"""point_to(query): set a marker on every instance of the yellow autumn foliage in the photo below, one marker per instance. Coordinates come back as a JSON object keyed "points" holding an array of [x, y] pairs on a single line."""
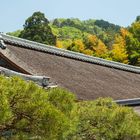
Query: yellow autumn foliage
{"points": [[100, 49], [59, 44], [93, 40], [88, 52], [119, 52]]}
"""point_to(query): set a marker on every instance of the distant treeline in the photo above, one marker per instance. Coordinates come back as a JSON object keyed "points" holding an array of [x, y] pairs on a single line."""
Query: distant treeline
{"points": [[92, 37]]}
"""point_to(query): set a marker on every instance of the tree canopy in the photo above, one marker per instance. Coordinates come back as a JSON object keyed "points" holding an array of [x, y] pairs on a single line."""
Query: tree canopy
{"points": [[36, 28], [29, 112], [92, 37]]}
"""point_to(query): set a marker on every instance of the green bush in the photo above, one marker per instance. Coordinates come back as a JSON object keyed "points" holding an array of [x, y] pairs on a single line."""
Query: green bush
{"points": [[28, 111], [105, 120]]}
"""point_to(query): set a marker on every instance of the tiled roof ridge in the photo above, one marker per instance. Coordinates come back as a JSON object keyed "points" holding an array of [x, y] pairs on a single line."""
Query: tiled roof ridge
{"points": [[66, 53]]}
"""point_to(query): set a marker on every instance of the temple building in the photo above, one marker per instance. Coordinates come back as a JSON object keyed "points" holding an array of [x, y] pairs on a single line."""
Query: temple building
{"points": [[87, 77]]}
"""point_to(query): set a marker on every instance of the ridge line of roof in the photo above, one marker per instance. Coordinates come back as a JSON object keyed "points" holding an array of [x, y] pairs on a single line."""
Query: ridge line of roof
{"points": [[66, 53]]}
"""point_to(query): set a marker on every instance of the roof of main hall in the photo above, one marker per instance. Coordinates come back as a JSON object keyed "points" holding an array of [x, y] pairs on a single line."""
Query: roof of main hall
{"points": [[86, 76]]}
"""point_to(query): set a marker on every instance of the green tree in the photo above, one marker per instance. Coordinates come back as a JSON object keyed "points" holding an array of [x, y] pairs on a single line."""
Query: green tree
{"points": [[104, 30], [105, 120], [16, 33], [28, 111], [135, 30], [36, 28], [133, 43], [69, 33], [137, 18], [133, 49]]}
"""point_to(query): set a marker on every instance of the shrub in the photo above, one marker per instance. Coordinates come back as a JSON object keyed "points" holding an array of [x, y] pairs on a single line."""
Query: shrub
{"points": [[28, 111], [104, 120]]}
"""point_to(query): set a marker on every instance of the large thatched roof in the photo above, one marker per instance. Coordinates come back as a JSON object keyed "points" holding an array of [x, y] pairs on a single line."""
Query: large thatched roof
{"points": [[87, 77]]}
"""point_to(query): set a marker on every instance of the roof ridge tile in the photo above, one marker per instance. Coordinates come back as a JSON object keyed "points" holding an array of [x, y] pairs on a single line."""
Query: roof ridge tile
{"points": [[66, 53]]}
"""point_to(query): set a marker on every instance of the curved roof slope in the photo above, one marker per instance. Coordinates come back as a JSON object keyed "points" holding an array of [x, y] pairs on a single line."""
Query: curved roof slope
{"points": [[87, 77]]}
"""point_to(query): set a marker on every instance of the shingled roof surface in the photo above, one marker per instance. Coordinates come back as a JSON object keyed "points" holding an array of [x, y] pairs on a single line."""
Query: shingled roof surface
{"points": [[87, 80]]}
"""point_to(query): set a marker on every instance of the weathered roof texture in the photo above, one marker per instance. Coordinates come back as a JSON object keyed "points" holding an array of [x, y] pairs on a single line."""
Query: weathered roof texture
{"points": [[88, 77]]}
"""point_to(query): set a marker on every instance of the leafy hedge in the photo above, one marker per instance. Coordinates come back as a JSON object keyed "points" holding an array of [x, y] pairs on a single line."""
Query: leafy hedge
{"points": [[30, 112]]}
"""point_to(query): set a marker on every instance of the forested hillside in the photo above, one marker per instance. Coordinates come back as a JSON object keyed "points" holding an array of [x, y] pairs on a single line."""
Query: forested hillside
{"points": [[92, 37]]}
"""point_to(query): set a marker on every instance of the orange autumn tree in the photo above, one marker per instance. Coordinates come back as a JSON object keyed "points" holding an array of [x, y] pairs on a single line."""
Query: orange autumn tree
{"points": [[96, 45]]}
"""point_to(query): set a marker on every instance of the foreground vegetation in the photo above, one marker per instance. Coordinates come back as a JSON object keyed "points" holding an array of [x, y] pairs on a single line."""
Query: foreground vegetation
{"points": [[30, 112], [92, 37]]}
